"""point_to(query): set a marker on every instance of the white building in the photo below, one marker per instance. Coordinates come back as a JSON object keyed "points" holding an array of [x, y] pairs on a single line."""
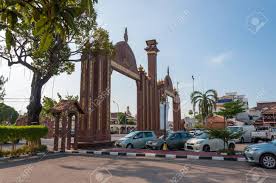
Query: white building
{"points": [[230, 97]]}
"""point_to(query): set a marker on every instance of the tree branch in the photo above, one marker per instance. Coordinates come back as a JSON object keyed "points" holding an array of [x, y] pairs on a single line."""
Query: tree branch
{"points": [[74, 60]]}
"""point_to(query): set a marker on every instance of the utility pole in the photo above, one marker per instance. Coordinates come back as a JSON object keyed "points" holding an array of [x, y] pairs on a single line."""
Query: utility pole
{"points": [[126, 122], [117, 112], [165, 117], [193, 82]]}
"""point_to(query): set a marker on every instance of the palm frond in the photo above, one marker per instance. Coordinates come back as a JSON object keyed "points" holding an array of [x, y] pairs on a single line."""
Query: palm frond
{"points": [[196, 93]]}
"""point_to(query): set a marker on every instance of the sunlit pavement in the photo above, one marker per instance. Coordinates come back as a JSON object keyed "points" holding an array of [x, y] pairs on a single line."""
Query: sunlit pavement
{"points": [[87, 169]]}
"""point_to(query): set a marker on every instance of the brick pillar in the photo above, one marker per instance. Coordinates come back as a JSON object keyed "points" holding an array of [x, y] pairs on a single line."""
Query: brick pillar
{"points": [[56, 133], [139, 105], [69, 135], [86, 94], [144, 107], [147, 108], [63, 133], [75, 146], [152, 51], [176, 113]]}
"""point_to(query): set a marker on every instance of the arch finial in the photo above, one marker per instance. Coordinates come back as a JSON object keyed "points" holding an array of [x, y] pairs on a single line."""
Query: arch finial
{"points": [[168, 70], [126, 35]]}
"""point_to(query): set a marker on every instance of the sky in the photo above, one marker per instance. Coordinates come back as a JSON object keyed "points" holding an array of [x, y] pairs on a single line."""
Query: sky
{"points": [[227, 46]]}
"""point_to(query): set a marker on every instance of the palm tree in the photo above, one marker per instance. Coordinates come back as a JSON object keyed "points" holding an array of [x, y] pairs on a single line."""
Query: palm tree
{"points": [[206, 102]]}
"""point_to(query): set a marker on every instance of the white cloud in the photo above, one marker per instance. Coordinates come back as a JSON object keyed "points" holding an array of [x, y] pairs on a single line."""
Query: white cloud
{"points": [[221, 58]]}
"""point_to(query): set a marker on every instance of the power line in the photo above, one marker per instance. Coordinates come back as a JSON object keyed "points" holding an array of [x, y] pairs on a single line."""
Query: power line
{"points": [[16, 98]]}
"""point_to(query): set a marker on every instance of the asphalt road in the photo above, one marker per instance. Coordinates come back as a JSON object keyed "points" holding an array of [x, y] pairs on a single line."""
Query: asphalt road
{"points": [[88, 169]]}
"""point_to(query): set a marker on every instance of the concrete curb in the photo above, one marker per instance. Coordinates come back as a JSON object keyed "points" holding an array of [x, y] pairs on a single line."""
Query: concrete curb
{"points": [[167, 156], [130, 154]]}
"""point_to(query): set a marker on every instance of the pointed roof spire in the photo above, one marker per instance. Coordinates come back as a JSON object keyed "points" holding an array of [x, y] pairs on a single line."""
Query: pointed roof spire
{"points": [[126, 35], [168, 70]]}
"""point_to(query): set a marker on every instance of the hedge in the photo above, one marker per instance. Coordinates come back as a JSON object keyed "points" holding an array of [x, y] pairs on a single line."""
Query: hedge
{"points": [[29, 133]]}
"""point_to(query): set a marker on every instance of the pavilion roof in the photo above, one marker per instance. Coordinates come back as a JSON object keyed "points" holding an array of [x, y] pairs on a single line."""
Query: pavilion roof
{"points": [[67, 105]]}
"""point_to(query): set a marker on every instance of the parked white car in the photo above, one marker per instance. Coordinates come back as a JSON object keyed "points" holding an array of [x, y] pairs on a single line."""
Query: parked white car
{"points": [[246, 130], [264, 133], [195, 132], [204, 143]]}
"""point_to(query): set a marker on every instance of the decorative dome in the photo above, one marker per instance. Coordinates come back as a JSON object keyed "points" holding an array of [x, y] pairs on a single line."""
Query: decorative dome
{"points": [[124, 56], [168, 81]]}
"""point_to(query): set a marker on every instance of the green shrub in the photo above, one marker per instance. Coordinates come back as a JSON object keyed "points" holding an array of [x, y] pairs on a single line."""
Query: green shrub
{"points": [[29, 133]]}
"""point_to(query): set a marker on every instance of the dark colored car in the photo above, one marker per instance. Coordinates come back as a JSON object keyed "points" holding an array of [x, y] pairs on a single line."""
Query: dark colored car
{"points": [[175, 140]]}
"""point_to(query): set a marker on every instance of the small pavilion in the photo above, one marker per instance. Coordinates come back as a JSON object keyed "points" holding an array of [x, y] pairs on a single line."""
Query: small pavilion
{"points": [[64, 112]]}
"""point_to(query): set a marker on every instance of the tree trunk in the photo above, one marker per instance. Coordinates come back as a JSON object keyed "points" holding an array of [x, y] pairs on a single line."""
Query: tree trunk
{"points": [[35, 107]]}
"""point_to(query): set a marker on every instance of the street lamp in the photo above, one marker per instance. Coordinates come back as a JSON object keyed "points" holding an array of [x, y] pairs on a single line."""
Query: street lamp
{"points": [[126, 122], [117, 112], [193, 78], [164, 101]]}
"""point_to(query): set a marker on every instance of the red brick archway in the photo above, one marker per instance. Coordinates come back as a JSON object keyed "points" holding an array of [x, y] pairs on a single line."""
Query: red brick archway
{"points": [[95, 91]]}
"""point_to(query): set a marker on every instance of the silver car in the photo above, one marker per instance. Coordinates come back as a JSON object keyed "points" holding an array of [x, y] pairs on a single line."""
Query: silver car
{"points": [[136, 139], [263, 154]]}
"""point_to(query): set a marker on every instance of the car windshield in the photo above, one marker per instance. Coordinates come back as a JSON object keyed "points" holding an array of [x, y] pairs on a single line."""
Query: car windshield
{"points": [[202, 136], [234, 129], [131, 134], [171, 135], [168, 135], [262, 128]]}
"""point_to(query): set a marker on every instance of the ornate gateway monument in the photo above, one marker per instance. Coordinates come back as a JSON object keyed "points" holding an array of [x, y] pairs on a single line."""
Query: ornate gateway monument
{"points": [[95, 91]]}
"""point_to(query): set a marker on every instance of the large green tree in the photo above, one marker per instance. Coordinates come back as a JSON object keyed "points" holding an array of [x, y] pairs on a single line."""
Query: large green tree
{"points": [[47, 37], [7, 114], [231, 109], [205, 101]]}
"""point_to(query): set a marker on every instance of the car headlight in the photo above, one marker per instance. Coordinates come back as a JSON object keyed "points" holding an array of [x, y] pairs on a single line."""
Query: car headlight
{"points": [[255, 149], [154, 143], [121, 142]]}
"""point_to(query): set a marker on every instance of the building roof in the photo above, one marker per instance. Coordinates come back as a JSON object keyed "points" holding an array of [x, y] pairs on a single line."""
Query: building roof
{"points": [[114, 115], [215, 119], [265, 105], [270, 111]]}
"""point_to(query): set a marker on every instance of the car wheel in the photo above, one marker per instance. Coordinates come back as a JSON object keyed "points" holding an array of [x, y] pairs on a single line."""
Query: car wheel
{"points": [[272, 138], [206, 148], [268, 161], [231, 147], [242, 140], [129, 146], [256, 140]]}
